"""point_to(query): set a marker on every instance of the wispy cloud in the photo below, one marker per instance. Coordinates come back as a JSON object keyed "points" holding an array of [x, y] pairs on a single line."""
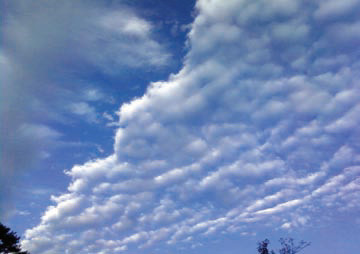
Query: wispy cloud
{"points": [[49, 49]]}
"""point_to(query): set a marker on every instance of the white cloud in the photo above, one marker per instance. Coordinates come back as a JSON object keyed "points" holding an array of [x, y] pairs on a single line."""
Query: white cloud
{"points": [[128, 42], [84, 109], [241, 135], [38, 131], [122, 22], [335, 9], [108, 116], [93, 94]]}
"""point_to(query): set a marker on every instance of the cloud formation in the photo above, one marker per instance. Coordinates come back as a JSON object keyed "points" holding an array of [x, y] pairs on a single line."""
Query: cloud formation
{"points": [[260, 125], [48, 52]]}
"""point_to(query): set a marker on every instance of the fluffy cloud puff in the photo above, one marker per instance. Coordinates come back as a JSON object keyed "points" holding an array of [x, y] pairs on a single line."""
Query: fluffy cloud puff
{"points": [[258, 126]]}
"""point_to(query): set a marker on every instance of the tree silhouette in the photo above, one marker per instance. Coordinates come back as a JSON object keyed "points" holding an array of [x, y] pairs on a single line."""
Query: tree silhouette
{"points": [[287, 246], [263, 247], [9, 241]]}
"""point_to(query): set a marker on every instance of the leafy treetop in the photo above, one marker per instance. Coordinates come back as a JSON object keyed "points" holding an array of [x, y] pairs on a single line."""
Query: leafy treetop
{"points": [[9, 241]]}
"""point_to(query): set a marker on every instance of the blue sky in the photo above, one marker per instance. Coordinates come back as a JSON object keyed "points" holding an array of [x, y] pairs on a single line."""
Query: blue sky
{"points": [[180, 127]]}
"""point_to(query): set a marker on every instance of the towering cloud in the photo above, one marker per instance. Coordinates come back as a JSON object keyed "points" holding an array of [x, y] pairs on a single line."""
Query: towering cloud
{"points": [[259, 125]]}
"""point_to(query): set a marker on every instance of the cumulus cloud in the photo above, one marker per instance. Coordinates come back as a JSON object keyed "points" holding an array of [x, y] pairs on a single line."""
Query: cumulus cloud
{"points": [[49, 51], [255, 127]]}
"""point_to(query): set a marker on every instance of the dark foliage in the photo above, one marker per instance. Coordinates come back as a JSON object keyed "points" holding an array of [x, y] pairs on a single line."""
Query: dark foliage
{"points": [[287, 246], [263, 247], [9, 241]]}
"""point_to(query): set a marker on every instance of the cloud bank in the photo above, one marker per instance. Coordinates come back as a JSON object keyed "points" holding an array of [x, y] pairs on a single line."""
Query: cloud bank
{"points": [[260, 125]]}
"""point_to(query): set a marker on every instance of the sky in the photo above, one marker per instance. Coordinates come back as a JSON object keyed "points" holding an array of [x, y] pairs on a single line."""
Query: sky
{"points": [[164, 127]]}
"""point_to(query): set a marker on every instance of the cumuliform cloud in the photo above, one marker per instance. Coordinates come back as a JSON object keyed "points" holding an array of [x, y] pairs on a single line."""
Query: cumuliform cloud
{"points": [[261, 124]]}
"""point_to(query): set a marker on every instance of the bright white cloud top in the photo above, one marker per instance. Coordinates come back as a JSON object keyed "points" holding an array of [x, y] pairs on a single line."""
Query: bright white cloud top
{"points": [[260, 125]]}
